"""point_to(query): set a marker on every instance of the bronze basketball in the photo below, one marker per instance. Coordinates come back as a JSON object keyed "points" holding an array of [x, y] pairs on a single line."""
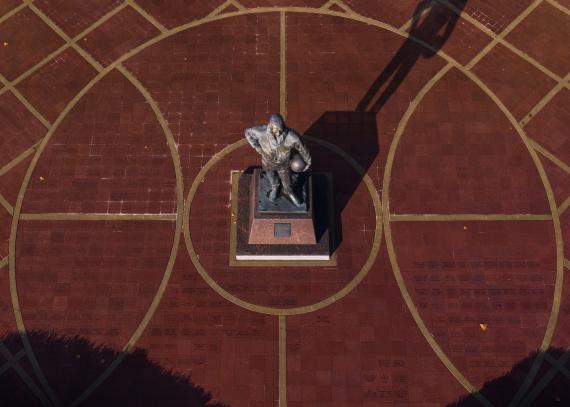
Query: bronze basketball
{"points": [[297, 163]]}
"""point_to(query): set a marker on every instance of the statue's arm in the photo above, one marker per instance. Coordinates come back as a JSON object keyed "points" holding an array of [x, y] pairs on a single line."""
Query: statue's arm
{"points": [[252, 139]]}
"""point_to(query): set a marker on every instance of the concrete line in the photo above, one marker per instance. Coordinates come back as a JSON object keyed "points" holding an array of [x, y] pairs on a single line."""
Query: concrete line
{"points": [[502, 41], [328, 5], [25, 102], [503, 34], [564, 206], [100, 21], [556, 363], [18, 159], [406, 26], [559, 6], [544, 101], [532, 61], [65, 46], [12, 12], [98, 216], [311, 11], [343, 6], [283, 64], [219, 10], [550, 156], [147, 16], [428, 217], [282, 361], [24, 376], [238, 5], [6, 204], [544, 381], [390, 243], [66, 38], [175, 243], [10, 362], [4, 262], [34, 68]]}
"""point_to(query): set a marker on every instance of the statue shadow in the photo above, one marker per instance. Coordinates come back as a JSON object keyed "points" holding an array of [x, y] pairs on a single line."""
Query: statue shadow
{"points": [[71, 364], [549, 388], [356, 132]]}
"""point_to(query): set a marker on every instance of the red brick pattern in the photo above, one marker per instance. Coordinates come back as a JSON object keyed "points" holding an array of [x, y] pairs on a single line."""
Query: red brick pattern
{"points": [[172, 13], [497, 15], [209, 101], [549, 126], [518, 84], [459, 154], [280, 287], [546, 28], [93, 279], [25, 48], [229, 351], [108, 156], [462, 274], [51, 87], [74, 16], [20, 130], [11, 182], [8, 5], [124, 31]]}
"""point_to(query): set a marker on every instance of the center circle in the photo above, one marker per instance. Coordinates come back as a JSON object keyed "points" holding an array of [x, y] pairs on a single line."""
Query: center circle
{"points": [[346, 289]]}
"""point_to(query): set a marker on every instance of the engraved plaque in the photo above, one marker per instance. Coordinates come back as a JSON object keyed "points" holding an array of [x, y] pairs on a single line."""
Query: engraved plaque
{"points": [[282, 230]]}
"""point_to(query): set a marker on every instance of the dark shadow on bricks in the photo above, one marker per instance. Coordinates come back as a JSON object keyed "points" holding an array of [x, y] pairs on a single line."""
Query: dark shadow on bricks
{"points": [[356, 132], [549, 388], [73, 363]]}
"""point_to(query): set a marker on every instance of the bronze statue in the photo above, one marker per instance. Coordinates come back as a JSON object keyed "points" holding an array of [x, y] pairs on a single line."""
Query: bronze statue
{"points": [[276, 143]]}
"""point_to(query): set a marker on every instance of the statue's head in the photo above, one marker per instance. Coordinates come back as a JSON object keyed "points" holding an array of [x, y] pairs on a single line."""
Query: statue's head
{"points": [[277, 126]]}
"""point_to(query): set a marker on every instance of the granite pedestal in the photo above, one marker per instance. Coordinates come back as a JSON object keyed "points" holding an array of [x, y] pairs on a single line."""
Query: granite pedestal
{"points": [[280, 230]]}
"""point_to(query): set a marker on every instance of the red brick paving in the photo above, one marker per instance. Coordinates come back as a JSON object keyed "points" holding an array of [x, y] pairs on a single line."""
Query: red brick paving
{"points": [[281, 287], [364, 350], [461, 274], [108, 156], [11, 182], [459, 154], [544, 30], [548, 126], [209, 101], [558, 178], [518, 84], [496, 15], [118, 35], [51, 87], [227, 350], [20, 129], [8, 5], [74, 16], [172, 13], [25, 48], [93, 279]]}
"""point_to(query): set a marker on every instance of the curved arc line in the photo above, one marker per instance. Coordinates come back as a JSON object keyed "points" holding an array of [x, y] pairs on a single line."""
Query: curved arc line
{"points": [[559, 240], [390, 243], [175, 244], [13, 234], [201, 176], [124, 57]]}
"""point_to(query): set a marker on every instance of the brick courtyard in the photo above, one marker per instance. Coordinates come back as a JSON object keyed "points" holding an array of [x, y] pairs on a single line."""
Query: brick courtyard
{"points": [[443, 124]]}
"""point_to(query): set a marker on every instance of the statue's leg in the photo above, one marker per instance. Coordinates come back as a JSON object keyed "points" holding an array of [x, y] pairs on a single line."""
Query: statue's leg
{"points": [[285, 175], [274, 182]]}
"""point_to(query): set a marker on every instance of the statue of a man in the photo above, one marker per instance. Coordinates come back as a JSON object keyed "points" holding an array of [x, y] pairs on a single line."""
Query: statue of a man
{"points": [[275, 143]]}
